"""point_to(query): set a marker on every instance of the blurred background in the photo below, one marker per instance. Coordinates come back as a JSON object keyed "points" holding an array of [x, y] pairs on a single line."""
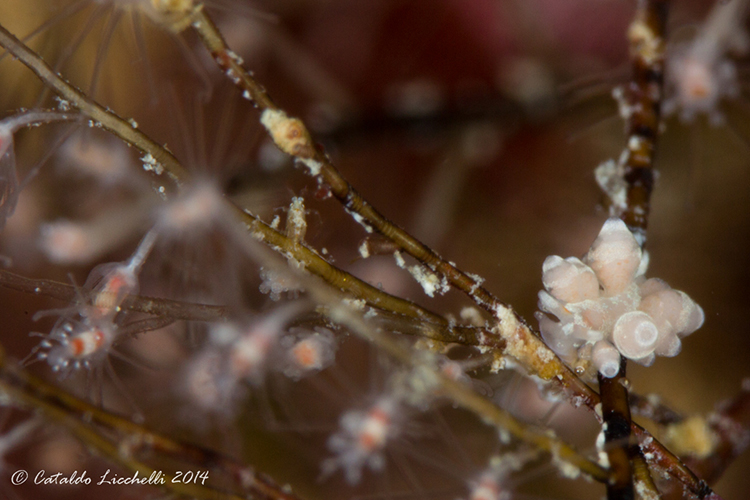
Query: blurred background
{"points": [[476, 125]]}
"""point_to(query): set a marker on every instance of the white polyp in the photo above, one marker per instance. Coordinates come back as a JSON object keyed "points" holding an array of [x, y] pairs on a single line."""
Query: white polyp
{"points": [[66, 242], [77, 344], [647, 360], [223, 334], [569, 280], [635, 317], [695, 321], [615, 256], [490, 487], [691, 317], [665, 308], [643, 266], [58, 357], [668, 345], [700, 73], [375, 428], [361, 439], [110, 283], [614, 307], [204, 382], [104, 159], [698, 90], [275, 283], [550, 304], [249, 354], [307, 352], [653, 285], [606, 358], [700, 79], [197, 207], [554, 336], [593, 316], [635, 335], [550, 263], [584, 334]]}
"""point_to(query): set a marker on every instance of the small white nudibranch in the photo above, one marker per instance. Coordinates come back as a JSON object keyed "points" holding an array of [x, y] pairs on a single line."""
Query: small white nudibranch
{"points": [[602, 307]]}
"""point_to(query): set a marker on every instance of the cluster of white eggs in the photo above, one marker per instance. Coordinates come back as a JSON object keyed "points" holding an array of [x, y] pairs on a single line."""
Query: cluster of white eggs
{"points": [[602, 306]]}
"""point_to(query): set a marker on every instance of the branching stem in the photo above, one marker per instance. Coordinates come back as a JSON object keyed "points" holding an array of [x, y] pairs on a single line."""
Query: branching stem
{"points": [[617, 422], [292, 136], [511, 334], [162, 161], [132, 444]]}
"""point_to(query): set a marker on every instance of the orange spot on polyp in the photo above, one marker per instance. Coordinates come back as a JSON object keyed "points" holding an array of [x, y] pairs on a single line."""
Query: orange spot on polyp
{"points": [[374, 429], [378, 415], [487, 490], [87, 343], [115, 284], [77, 346], [699, 91], [367, 441], [305, 354]]}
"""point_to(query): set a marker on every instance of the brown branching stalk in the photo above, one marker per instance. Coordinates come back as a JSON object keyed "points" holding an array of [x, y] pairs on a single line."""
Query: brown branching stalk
{"points": [[616, 425], [134, 447], [427, 376], [522, 344], [333, 276], [300, 253], [509, 336], [731, 425], [292, 137], [174, 310], [161, 161], [468, 399], [644, 94], [650, 407], [100, 116]]}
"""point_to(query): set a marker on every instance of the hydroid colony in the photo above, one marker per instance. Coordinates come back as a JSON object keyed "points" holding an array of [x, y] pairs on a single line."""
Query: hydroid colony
{"points": [[390, 388]]}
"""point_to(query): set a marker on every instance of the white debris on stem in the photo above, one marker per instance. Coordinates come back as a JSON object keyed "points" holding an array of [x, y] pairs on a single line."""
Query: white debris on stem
{"points": [[430, 281], [364, 250], [150, 164], [609, 176], [275, 283], [296, 223], [313, 166]]}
